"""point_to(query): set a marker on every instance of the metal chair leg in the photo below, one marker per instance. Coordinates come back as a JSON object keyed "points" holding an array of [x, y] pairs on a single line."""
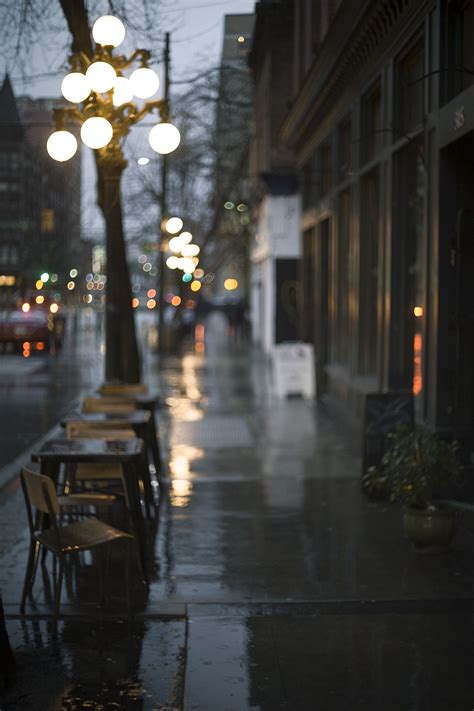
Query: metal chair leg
{"points": [[59, 582], [28, 574]]}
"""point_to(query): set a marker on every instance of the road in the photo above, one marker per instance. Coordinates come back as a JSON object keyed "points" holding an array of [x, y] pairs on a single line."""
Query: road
{"points": [[36, 392]]}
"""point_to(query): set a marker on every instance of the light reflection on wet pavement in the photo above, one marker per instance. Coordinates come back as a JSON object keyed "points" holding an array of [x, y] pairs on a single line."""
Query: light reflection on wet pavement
{"points": [[274, 583]]}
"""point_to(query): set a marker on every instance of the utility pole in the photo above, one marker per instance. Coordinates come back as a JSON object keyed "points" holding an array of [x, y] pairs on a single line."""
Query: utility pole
{"points": [[163, 208]]}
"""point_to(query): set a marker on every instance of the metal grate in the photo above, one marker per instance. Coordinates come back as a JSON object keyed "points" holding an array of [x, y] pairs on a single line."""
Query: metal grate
{"points": [[213, 432]]}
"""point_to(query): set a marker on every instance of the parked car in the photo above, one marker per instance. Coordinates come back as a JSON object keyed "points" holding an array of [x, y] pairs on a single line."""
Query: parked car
{"points": [[35, 327]]}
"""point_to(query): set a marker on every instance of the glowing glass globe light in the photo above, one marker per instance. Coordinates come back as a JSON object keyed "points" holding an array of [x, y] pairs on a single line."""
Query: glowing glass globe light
{"points": [[175, 244], [101, 76], [61, 145], [172, 262], [75, 87], [96, 132], [186, 237], [173, 225], [164, 138], [123, 92], [108, 31], [145, 82], [190, 250], [187, 265]]}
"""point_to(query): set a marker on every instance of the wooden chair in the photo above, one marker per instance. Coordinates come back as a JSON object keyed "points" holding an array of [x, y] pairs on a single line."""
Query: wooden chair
{"points": [[61, 540], [116, 389], [109, 405], [96, 472]]}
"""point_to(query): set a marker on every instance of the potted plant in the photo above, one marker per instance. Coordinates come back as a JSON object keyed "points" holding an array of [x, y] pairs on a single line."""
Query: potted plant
{"points": [[416, 466]]}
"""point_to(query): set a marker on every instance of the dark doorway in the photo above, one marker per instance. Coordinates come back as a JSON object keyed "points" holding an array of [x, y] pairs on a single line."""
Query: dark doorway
{"points": [[322, 334], [455, 376]]}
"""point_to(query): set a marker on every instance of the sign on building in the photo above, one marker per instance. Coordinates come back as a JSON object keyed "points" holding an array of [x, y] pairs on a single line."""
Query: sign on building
{"points": [[293, 369]]}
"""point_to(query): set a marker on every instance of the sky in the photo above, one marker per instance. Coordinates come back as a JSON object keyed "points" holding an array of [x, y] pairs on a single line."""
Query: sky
{"points": [[196, 34]]}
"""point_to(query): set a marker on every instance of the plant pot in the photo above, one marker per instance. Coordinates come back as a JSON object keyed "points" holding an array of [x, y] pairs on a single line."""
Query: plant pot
{"points": [[430, 531]]}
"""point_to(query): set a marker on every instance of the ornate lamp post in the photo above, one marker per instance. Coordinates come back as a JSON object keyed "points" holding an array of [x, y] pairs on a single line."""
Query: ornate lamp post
{"points": [[106, 111]]}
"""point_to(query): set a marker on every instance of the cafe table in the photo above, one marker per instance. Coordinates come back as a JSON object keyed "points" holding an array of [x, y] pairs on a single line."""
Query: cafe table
{"points": [[128, 453], [143, 403], [141, 422]]}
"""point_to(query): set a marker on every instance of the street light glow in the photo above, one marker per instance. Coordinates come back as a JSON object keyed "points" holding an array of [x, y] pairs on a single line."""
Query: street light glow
{"points": [[108, 31], [190, 250], [186, 237], [101, 76], [175, 244], [75, 87], [172, 262], [123, 91], [145, 82], [96, 132], [143, 161], [61, 145], [173, 225], [164, 138]]}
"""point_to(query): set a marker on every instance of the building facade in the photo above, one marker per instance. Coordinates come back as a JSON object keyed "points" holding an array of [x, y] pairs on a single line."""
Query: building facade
{"points": [[40, 218], [276, 204], [381, 129]]}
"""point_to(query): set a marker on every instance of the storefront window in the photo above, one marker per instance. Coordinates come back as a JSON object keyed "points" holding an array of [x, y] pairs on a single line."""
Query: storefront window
{"points": [[369, 256], [410, 90], [343, 265], [372, 134]]}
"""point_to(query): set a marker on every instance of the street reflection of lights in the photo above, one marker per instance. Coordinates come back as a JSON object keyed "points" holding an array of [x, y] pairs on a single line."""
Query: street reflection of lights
{"points": [[147, 267], [135, 302], [39, 299], [175, 301], [72, 274], [199, 347], [39, 284], [195, 285], [151, 293], [143, 161], [199, 273], [71, 285], [25, 308], [142, 258], [150, 304], [54, 308], [180, 493], [229, 205], [179, 466]]}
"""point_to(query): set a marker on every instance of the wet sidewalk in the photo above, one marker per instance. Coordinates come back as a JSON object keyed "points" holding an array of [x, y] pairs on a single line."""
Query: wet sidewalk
{"points": [[274, 583]]}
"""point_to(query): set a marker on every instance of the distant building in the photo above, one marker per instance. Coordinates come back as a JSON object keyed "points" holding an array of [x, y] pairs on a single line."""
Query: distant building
{"points": [[40, 219], [275, 248], [232, 127]]}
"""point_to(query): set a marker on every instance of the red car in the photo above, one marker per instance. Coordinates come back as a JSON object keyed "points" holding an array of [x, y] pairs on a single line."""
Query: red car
{"points": [[33, 327]]}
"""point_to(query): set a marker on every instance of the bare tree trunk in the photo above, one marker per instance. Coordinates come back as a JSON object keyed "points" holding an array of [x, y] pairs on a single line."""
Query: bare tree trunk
{"points": [[121, 350], [121, 353]]}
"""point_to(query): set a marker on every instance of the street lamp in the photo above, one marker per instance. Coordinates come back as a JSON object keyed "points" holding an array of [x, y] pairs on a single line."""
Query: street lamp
{"points": [[105, 109]]}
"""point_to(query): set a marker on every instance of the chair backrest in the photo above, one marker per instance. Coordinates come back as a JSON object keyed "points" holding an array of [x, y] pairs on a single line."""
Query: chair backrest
{"points": [[86, 430], [108, 405], [37, 489], [123, 389]]}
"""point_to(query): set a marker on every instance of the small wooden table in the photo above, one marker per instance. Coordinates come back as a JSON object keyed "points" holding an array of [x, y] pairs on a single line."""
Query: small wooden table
{"points": [[147, 403], [128, 453], [140, 421]]}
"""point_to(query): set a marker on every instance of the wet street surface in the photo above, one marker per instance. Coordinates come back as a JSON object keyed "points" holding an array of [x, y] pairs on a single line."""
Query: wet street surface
{"points": [[274, 583]]}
